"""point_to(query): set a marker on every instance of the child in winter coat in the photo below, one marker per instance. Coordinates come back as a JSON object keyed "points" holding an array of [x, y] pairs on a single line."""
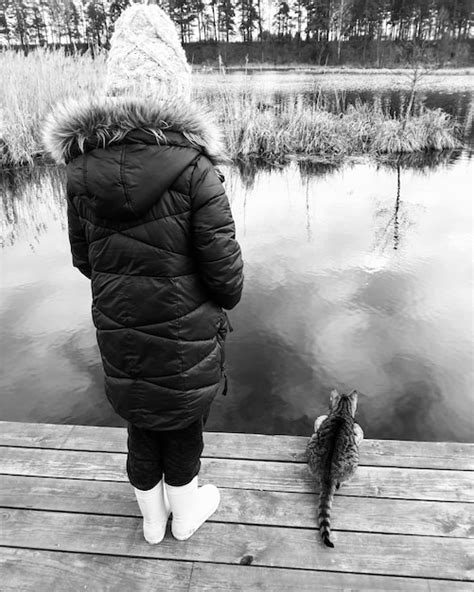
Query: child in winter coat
{"points": [[151, 226]]}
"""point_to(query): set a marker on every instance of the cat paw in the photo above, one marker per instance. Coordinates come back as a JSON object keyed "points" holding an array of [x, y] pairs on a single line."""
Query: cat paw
{"points": [[319, 420], [358, 434]]}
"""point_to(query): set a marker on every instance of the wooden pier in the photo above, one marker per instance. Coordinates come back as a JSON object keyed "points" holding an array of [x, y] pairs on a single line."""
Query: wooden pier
{"points": [[69, 520]]}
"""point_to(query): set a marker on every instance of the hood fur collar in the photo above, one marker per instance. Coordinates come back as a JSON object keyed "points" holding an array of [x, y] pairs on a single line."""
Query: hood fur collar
{"points": [[107, 120]]}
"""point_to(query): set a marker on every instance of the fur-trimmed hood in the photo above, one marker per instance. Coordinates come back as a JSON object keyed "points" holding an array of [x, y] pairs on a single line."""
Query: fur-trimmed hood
{"points": [[102, 121]]}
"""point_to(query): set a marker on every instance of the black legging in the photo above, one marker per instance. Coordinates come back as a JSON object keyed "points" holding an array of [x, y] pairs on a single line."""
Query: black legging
{"points": [[174, 454]]}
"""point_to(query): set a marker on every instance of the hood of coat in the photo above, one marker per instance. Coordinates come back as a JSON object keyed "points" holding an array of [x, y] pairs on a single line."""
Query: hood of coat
{"points": [[81, 124], [123, 185]]}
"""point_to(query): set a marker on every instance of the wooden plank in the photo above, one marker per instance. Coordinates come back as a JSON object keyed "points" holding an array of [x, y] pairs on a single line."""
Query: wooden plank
{"points": [[422, 484], [297, 548], [35, 435], [395, 453], [28, 570], [451, 519], [62, 463], [426, 455], [389, 453], [208, 577]]}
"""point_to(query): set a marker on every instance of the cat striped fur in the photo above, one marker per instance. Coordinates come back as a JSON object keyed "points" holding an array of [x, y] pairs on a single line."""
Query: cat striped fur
{"points": [[333, 453]]}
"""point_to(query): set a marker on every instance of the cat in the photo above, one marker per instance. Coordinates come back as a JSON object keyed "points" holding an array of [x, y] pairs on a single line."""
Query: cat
{"points": [[333, 453]]}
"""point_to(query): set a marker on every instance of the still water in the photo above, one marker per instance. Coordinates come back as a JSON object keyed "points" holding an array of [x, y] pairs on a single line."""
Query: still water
{"points": [[356, 277]]}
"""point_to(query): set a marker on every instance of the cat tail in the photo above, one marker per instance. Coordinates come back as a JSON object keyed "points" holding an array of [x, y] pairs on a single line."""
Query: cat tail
{"points": [[324, 511]]}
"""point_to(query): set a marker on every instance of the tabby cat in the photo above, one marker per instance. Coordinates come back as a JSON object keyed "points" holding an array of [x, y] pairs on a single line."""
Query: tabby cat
{"points": [[333, 453]]}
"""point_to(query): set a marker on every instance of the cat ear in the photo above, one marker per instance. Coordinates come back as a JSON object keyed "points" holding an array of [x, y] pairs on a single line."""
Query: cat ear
{"points": [[353, 396], [334, 396]]}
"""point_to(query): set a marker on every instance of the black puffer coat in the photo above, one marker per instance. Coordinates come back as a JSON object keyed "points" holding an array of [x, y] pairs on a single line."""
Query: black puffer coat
{"points": [[150, 224]]}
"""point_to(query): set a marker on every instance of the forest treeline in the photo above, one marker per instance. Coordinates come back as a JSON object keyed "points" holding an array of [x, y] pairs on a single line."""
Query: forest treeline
{"points": [[325, 32]]}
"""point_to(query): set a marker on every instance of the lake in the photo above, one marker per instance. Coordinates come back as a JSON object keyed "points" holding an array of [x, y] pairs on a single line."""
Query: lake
{"points": [[357, 276]]}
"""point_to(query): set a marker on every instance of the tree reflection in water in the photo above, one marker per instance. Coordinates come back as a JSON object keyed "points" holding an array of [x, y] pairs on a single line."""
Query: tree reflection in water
{"points": [[424, 163]]}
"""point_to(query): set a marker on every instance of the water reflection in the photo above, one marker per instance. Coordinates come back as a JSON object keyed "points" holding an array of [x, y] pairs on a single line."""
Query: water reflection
{"points": [[389, 231], [423, 161], [357, 275], [395, 219], [316, 168], [32, 201]]}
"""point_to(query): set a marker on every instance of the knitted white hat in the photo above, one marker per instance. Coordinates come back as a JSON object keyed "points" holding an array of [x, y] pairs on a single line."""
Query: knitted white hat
{"points": [[146, 57]]}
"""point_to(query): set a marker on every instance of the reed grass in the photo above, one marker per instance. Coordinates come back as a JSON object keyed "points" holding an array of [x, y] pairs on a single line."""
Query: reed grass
{"points": [[30, 87], [328, 128], [256, 123]]}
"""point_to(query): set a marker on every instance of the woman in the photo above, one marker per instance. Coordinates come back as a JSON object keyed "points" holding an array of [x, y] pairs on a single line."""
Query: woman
{"points": [[151, 226]]}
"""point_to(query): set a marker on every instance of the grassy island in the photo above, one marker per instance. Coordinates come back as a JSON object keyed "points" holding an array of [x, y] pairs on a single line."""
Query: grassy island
{"points": [[308, 128]]}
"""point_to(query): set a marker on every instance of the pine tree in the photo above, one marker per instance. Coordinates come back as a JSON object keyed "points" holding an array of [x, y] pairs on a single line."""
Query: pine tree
{"points": [[38, 25], [23, 13], [6, 26], [226, 18], [248, 19], [183, 14], [57, 21], [116, 8], [282, 19], [72, 21], [298, 9], [97, 30], [214, 18]]}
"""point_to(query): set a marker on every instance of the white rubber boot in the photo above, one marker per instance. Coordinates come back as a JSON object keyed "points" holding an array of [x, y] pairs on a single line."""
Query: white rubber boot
{"points": [[155, 510], [191, 507]]}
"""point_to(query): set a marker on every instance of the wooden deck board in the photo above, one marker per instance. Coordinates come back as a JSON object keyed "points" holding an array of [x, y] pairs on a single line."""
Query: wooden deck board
{"points": [[50, 571], [387, 453], [405, 522], [270, 546], [443, 519], [208, 577], [22, 569], [423, 484]]}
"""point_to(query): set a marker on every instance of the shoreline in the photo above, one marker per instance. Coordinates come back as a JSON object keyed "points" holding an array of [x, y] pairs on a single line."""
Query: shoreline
{"points": [[287, 79], [316, 69], [416, 159]]}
